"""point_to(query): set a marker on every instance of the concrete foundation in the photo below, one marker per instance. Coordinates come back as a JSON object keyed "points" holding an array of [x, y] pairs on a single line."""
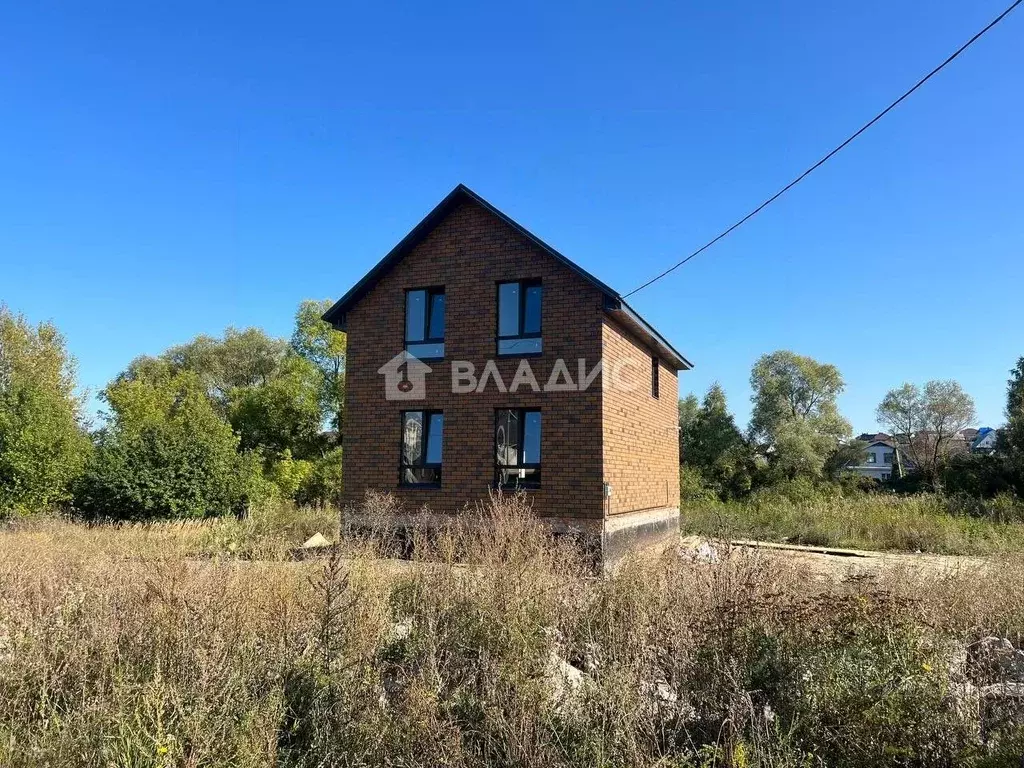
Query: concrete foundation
{"points": [[637, 531], [606, 542]]}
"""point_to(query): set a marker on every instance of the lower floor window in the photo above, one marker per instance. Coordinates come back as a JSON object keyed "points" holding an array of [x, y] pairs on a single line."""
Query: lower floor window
{"points": [[517, 447], [422, 435]]}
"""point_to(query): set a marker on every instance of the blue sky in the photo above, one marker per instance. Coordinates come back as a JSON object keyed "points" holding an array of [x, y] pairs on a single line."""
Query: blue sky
{"points": [[172, 169]]}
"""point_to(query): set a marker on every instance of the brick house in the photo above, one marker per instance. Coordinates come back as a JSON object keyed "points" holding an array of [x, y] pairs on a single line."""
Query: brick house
{"points": [[577, 406]]}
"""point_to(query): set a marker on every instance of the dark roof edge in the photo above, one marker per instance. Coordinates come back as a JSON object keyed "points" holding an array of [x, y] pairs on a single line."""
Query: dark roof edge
{"points": [[617, 307], [614, 303], [460, 193], [335, 315]]}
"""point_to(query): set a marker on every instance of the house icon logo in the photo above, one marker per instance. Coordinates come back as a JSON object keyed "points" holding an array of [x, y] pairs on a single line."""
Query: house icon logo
{"points": [[405, 377]]}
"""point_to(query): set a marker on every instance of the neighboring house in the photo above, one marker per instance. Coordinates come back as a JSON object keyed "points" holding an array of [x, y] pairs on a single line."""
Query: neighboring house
{"points": [[985, 441], [881, 461], [880, 458], [475, 297]]}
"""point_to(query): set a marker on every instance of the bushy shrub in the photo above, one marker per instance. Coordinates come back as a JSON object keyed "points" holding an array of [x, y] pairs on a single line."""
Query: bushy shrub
{"points": [[799, 490], [693, 488], [324, 483], [166, 453], [289, 475], [982, 476]]}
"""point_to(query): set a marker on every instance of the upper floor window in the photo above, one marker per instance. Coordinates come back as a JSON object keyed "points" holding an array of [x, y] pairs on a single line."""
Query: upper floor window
{"points": [[887, 458], [424, 323], [517, 447], [654, 376], [519, 313], [872, 457], [422, 435]]}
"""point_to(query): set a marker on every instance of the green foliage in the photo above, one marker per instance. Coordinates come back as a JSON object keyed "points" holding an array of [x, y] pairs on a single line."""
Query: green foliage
{"points": [[165, 452], [1015, 409], [795, 417], [882, 698], [324, 483], [42, 445], [281, 413], [693, 487], [823, 514], [273, 394], [245, 358], [711, 444], [982, 476], [289, 474], [316, 341]]}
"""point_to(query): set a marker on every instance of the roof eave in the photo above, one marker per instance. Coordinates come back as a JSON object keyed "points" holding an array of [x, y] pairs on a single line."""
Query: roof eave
{"points": [[616, 306]]}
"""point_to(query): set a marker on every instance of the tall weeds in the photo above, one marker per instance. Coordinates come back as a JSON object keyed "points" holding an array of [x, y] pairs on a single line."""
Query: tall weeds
{"points": [[494, 645]]}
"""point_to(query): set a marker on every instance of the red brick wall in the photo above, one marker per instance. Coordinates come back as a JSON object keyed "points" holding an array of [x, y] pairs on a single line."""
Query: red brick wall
{"points": [[640, 443], [468, 253]]}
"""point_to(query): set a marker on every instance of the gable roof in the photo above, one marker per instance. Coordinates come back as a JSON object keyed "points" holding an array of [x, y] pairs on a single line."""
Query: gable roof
{"points": [[614, 303]]}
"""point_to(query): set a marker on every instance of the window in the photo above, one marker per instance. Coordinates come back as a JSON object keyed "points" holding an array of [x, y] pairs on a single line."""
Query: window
{"points": [[872, 457], [422, 435], [885, 475], [887, 458], [517, 448], [654, 376], [424, 323], [519, 312]]}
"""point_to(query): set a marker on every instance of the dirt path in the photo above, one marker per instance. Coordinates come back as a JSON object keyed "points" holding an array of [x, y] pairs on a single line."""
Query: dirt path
{"points": [[838, 563]]}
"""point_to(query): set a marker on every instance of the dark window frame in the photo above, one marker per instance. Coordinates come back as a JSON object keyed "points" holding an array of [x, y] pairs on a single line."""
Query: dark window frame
{"points": [[424, 442], [520, 440], [539, 334], [655, 377], [431, 291]]}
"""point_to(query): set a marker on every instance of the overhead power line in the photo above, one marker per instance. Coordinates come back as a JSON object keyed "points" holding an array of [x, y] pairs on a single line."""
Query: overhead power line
{"points": [[831, 154]]}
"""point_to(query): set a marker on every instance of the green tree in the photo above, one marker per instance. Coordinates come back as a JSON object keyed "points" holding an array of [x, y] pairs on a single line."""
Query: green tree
{"points": [[926, 422], [271, 396], [319, 343], [1014, 435], [712, 444], [689, 407], [43, 447], [796, 420], [246, 358], [165, 452], [281, 414]]}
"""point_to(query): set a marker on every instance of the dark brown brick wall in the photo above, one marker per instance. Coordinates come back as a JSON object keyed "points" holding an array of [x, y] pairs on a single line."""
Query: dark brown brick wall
{"points": [[468, 253]]}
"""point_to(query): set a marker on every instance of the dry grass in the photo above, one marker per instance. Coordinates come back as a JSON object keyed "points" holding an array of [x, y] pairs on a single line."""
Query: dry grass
{"points": [[119, 648]]}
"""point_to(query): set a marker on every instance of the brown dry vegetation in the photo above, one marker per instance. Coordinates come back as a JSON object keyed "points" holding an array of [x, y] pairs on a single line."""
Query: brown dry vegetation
{"points": [[172, 645]]}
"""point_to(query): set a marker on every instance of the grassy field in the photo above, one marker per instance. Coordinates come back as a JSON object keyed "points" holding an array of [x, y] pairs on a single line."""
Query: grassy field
{"points": [[201, 644], [918, 523]]}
